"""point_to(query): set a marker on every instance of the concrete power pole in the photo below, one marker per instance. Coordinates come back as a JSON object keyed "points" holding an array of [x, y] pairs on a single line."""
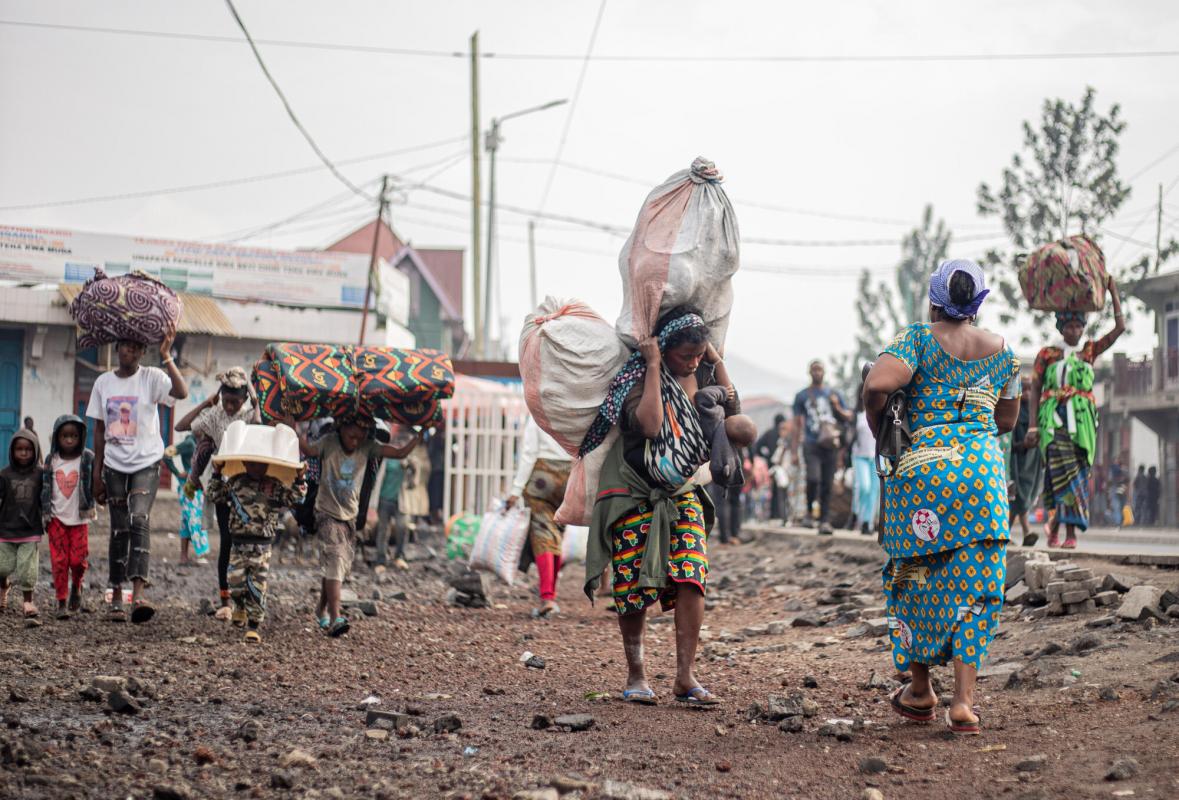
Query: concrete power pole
{"points": [[476, 271]]}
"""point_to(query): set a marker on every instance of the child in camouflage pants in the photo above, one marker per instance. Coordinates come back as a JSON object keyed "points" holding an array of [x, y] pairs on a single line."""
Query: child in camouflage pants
{"points": [[256, 501]]}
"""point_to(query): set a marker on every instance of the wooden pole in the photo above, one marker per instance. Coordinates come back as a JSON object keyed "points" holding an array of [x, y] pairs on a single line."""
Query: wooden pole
{"points": [[372, 260], [476, 272]]}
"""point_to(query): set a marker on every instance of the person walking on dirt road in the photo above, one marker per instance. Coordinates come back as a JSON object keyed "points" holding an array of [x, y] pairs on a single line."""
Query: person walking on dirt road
{"points": [[650, 522], [946, 512]]}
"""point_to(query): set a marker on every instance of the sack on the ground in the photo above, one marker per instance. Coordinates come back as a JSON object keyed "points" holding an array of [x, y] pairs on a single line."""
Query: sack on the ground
{"points": [[134, 306], [574, 544], [500, 540], [684, 249], [1068, 275], [461, 530], [568, 356], [582, 488]]}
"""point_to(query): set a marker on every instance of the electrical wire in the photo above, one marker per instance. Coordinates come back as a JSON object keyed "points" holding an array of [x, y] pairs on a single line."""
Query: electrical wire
{"points": [[649, 184], [291, 112], [200, 187], [1141, 222], [548, 184], [1153, 164], [253, 230], [867, 58]]}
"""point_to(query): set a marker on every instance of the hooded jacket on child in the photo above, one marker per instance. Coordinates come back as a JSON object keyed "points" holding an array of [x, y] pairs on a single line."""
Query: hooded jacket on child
{"points": [[20, 494], [85, 468]]}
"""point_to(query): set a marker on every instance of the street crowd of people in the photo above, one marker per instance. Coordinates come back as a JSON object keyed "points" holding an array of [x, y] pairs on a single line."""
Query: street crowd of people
{"points": [[320, 488], [986, 444]]}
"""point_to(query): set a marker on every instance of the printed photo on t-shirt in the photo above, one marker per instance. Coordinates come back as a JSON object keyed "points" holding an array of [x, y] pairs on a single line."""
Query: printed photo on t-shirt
{"points": [[122, 419]]}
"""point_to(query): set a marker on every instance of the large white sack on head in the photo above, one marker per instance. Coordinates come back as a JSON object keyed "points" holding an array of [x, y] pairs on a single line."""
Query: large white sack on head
{"points": [[684, 249], [568, 356], [582, 488]]}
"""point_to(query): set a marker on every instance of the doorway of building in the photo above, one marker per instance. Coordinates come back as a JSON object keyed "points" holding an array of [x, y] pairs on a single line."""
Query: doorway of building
{"points": [[12, 350]]}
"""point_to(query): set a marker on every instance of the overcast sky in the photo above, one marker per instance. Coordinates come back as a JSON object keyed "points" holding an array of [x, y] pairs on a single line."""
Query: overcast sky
{"points": [[89, 113]]}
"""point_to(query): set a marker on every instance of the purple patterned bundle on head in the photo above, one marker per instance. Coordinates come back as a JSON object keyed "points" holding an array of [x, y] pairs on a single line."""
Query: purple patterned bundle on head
{"points": [[939, 287]]}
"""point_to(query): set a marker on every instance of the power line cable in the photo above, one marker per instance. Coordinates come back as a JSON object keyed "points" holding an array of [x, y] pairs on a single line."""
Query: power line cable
{"points": [[252, 230], [291, 112], [1153, 164], [649, 184], [200, 187], [866, 58], [548, 184]]}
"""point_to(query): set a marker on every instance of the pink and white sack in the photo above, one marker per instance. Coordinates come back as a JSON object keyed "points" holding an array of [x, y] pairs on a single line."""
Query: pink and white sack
{"points": [[568, 356], [684, 249]]}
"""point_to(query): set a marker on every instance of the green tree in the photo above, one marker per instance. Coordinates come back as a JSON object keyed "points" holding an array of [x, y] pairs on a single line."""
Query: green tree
{"points": [[883, 307], [1062, 182]]}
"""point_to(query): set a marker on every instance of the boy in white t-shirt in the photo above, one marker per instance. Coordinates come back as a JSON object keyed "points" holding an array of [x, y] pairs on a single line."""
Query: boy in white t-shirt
{"points": [[67, 506], [128, 447]]}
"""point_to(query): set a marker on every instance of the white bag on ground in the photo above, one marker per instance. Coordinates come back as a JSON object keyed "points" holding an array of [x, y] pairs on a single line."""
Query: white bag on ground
{"points": [[500, 540], [684, 249], [574, 544], [568, 356]]}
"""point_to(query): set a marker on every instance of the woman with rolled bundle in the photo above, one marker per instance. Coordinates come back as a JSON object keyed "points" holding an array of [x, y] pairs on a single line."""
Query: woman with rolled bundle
{"points": [[1065, 415], [650, 520], [945, 525]]}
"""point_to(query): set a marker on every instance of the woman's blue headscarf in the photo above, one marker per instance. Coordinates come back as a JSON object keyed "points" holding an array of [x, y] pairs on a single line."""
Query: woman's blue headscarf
{"points": [[939, 287]]}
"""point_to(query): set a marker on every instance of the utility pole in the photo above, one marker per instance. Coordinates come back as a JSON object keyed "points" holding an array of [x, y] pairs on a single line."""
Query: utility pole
{"points": [[492, 145], [532, 262], [382, 202], [493, 142], [476, 274], [1158, 234]]}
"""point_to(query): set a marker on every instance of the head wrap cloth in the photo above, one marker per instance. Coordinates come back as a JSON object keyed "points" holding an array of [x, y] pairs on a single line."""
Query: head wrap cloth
{"points": [[939, 287], [233, 378], [631, 373], [1065, 317]]}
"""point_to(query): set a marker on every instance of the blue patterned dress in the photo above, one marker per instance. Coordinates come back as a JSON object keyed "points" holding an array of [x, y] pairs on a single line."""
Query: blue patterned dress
{"points": [[945, 507]]}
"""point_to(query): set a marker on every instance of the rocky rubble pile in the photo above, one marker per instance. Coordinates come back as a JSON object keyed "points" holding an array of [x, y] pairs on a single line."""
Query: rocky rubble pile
{"points": [[1055, 588]]}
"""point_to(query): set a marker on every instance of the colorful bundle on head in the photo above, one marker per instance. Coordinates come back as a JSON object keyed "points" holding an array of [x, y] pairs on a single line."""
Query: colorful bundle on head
{"points": [[135, 307], [632, 372]]}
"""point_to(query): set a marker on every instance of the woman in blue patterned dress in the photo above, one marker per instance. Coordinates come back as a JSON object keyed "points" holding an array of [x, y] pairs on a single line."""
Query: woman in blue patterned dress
{"points": [[945, 525]]}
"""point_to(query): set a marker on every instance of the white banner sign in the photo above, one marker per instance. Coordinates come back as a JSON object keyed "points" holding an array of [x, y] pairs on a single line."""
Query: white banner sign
{"points": [[289, 277]]}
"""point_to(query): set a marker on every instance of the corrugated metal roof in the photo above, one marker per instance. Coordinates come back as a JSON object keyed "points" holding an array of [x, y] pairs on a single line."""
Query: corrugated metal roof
{"points": [[199, 314]]}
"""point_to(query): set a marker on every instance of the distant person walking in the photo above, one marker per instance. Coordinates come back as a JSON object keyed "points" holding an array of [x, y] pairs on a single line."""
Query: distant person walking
{"points": [[818, 414], [1153, 487], [1025, 469], [866, 491], [540, 481], [1065, 415], [771, 447], [946, 546], [1139, 495]]}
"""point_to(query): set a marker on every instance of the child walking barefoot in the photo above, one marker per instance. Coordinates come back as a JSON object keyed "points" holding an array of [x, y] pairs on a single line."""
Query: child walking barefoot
{"points": [[67, 505], [20, 519]]}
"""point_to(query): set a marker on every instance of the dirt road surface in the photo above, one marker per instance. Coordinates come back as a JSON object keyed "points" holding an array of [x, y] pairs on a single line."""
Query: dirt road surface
{"points": [[218, 717]]}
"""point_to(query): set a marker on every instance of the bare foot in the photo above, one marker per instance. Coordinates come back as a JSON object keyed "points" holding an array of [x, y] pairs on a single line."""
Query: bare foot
{"points": [[30, 609], [962, 713], [922, 701]]}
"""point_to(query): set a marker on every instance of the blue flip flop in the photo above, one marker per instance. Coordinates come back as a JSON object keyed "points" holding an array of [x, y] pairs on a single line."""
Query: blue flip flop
{"points": [[698, 696], [324, 623], [644, 697]]}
